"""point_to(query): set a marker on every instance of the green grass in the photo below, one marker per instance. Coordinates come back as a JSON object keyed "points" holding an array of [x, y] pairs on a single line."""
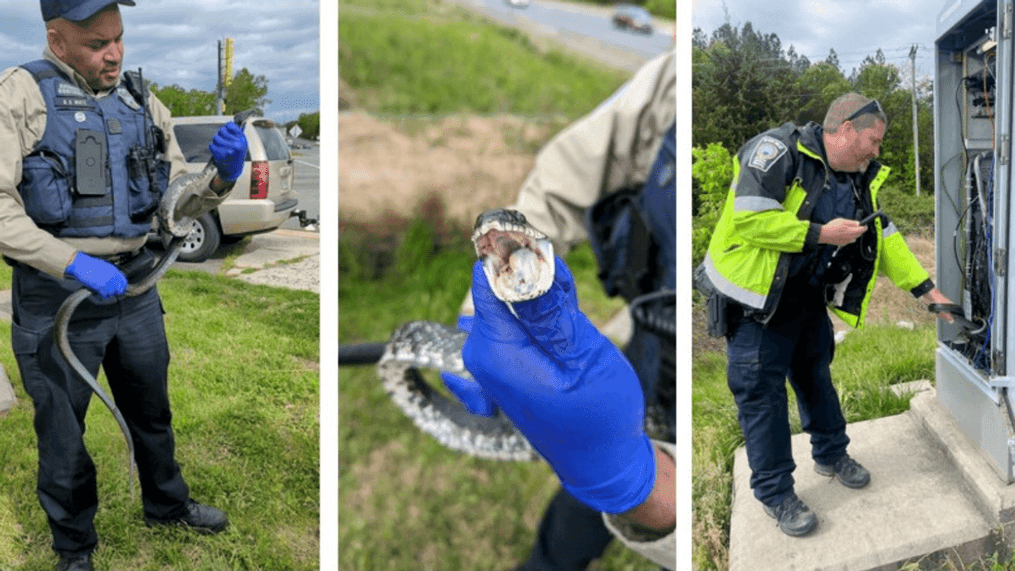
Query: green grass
{"points": [[420, 57], [405, 501], [243, 384], [866, 364]]}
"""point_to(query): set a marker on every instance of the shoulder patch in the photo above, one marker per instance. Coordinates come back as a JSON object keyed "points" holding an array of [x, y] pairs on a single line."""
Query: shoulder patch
{"points": [[766, 152]]}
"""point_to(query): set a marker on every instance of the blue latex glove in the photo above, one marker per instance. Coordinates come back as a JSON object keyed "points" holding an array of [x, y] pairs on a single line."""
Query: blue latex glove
{"points": [[97, 275], [567, 388], [228, 149], [469, 392]]}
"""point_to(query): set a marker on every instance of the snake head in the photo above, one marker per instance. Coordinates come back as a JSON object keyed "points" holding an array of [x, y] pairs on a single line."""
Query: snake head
{"points": [[517, 258]]}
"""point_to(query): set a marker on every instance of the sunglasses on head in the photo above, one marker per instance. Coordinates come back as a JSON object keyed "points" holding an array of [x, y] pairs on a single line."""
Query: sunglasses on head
{"points": [[872, 107]]}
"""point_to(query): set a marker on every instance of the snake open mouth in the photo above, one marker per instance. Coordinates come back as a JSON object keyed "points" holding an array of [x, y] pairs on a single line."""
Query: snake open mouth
{"points": [[517, 258]]}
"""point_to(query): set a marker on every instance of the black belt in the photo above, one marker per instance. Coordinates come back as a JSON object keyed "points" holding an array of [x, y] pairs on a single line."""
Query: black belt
{"points": [[119, 258]]}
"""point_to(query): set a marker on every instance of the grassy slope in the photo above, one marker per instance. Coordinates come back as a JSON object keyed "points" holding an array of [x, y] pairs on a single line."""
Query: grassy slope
{"points": [[421, 57]]}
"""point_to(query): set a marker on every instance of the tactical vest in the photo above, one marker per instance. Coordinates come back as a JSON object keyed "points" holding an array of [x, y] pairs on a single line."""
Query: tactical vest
{"points": [[633, 231], [99, 169]]}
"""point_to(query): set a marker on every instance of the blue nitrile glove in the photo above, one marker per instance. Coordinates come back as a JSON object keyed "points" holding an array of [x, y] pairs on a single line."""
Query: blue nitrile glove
{"points": [[228, 149], [469, 392], [97, 275], [567, 388]]}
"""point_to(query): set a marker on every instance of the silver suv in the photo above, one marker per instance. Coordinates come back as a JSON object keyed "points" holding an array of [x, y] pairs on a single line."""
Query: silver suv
{"points": [[264, 196]]}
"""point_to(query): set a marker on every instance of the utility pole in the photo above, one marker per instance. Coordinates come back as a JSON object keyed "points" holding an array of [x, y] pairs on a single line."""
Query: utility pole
{"points": [[219, 90], [916, 126], [225, 74]]}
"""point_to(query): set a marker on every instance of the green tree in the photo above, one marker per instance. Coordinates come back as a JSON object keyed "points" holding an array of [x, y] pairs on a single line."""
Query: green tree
{"points": [[310, 125], [246, 91], [712, 174], [741, 85], [816, 88], [184, 103]]}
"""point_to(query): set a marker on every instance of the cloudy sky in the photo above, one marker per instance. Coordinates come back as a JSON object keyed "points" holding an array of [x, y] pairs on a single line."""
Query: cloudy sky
{"points": [[854, 28], [176, 42]]}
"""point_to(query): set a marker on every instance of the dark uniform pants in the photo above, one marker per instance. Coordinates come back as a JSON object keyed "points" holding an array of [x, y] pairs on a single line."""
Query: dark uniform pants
{"points": [[127, 337], [798, 343]]}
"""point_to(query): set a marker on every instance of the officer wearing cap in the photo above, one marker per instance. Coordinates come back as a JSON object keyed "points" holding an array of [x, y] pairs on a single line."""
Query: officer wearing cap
{"points": [[85, 155]]}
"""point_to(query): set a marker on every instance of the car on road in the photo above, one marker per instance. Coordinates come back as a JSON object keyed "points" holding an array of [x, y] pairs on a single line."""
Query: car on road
{"points": [[631, 16], [264, 195], [518, 3]]}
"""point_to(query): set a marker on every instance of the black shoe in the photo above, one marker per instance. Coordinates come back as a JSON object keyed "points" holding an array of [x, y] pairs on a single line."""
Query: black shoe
{"points": [[794, 517], [77, 563], [201, 518], [847, 471]]}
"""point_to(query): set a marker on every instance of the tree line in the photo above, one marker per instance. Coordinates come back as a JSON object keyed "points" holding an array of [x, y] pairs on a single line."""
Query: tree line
{"points": [[744, 83], [245, 91]]}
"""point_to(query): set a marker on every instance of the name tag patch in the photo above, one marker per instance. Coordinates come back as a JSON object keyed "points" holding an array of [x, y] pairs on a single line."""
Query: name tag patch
{"points": [[766, 152]]}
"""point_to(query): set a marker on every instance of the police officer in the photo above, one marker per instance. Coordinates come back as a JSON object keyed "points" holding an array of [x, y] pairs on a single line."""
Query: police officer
{"points": [[85, 155], [789, 242], [610, 178]]}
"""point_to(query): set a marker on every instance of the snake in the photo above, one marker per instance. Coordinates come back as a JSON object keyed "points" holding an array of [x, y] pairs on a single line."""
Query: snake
{"points": [[518, 262], [176, 211]]}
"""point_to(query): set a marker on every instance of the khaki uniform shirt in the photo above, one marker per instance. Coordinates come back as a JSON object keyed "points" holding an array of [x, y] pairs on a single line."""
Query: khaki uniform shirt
{"points": [[22, 125], [610, 149]]}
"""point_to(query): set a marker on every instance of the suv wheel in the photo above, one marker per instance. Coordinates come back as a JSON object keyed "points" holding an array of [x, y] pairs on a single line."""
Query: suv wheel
{"points": [[202, 242]]}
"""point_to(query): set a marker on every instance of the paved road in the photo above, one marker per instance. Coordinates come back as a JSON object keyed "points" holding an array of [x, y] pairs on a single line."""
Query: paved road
{"points": [[308, 181], [582, 28]]}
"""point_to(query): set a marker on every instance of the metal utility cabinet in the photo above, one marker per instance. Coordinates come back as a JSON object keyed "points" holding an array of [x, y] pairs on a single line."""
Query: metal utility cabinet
{"points": [[973, 123]]}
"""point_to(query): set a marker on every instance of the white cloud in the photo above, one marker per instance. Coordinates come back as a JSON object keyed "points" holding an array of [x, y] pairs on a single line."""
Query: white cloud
{"points": [[855, 29]]}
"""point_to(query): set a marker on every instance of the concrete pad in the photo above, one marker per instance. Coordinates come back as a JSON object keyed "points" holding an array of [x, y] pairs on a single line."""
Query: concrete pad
{"points": [[918, 502], [272, 247], [262, 260], [620, 327], [7, 397], [6, 309], [993, 496]]}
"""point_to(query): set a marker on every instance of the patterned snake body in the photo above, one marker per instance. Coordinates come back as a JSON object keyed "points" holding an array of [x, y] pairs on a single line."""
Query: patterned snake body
{"points": [[428, 345]]}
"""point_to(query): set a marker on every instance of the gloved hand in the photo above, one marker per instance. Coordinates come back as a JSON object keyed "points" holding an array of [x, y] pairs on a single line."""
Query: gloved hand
{"points": [[469, 392], [228, 149], [567, 388], [97, 275]]}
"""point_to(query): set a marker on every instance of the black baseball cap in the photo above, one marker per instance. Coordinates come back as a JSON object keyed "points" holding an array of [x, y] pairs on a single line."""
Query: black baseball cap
{"points": [[76, 10]]}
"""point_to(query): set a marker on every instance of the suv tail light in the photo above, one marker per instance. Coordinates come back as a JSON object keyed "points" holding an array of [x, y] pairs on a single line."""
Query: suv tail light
{"points": [[259, 179]]}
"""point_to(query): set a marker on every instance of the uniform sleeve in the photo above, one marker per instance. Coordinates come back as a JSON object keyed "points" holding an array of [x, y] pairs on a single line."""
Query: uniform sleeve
{"points": [[764, 176], [900, 264], [22, 124], [661, 551], [610, 149]]}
